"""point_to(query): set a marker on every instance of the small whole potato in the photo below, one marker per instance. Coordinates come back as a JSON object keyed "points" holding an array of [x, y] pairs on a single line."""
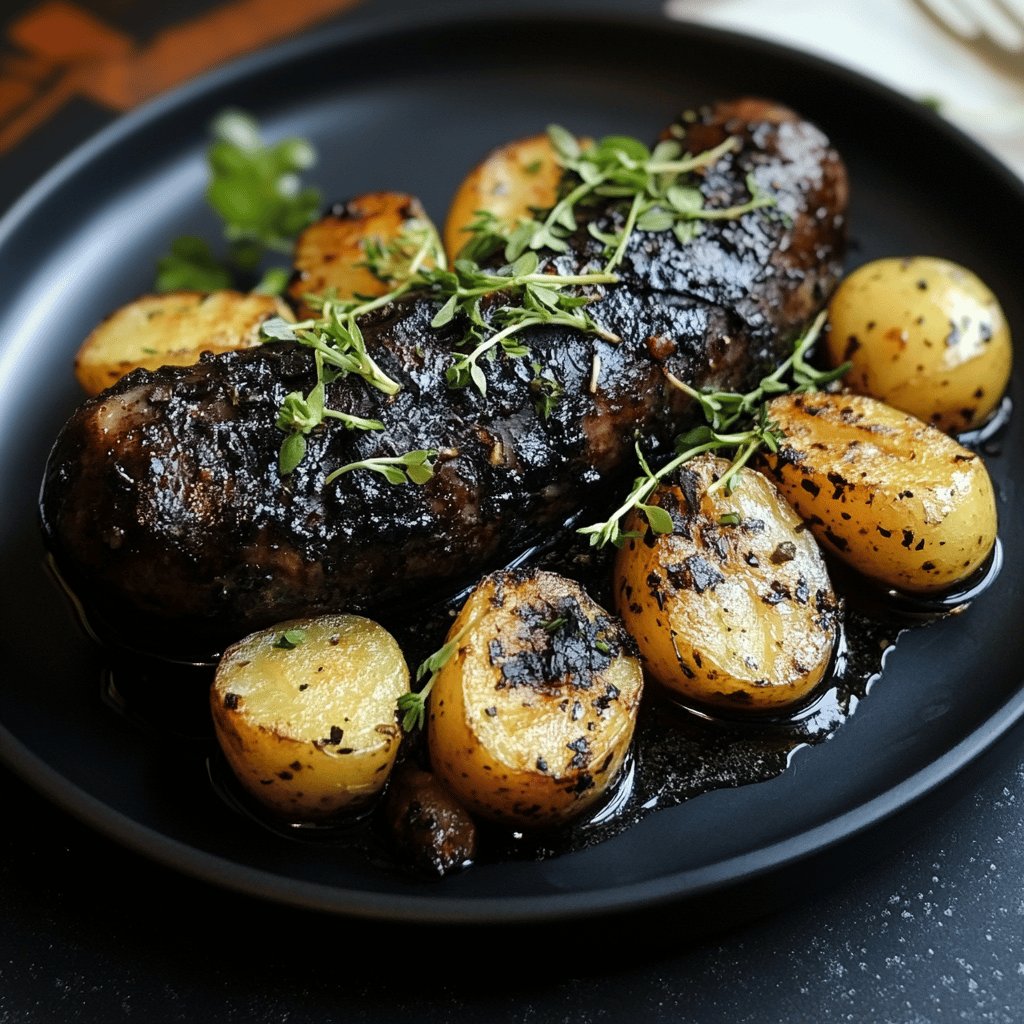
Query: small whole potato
{"points": [[305, 713], [530, 719], [734, 608], [924, 335], [891, 496]]}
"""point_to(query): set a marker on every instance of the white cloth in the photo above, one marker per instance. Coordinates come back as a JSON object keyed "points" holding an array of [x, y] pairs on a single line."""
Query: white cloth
{"points": [[892, 42]]}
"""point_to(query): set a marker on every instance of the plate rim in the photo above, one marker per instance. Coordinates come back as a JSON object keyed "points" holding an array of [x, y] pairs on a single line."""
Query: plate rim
{"points": [[429, 907]]}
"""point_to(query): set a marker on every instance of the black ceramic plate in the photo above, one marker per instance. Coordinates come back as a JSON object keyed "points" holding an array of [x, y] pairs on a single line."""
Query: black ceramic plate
{"points": [[411, 107]]}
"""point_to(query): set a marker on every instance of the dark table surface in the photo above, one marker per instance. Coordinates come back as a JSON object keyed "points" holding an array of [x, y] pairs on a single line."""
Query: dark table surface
{"points": [[929, 930]]}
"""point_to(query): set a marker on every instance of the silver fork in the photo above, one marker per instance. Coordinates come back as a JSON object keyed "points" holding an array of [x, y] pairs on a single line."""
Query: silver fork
{"points": [[988, 45]]}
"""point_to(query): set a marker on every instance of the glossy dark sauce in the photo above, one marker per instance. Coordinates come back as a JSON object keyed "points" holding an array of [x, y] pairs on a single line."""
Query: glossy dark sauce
{"points": [[679, 752]]}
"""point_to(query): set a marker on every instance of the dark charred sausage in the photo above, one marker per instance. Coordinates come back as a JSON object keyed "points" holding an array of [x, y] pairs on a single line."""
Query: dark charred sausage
{"points": [[163, 504]]}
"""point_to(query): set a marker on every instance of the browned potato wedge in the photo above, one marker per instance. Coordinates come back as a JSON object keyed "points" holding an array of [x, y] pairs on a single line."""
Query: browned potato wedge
{"points": [[923, 335], [509, 182], [897, 499], [531, 717], [734, 607], [330, 255], [173, 329], [306, 714]]}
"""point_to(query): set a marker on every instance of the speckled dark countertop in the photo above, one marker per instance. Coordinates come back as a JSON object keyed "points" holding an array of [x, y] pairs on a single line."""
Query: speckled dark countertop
{"points": [[932, 930], [932, 933]]}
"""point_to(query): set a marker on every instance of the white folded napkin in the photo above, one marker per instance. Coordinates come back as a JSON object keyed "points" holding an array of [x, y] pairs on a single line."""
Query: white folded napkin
{"points": [[893, 42]]}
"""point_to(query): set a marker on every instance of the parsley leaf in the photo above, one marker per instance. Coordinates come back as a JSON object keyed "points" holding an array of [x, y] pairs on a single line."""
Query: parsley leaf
{"points": [[255, 189], [190, 267]]}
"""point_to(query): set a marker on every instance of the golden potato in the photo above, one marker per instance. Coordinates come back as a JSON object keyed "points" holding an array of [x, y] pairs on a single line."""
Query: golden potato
{"points": [[306, 714], [330, 255], [509, 183], [734, 607], [530, 718], [895, 498], [925, 336], [172, 329]]}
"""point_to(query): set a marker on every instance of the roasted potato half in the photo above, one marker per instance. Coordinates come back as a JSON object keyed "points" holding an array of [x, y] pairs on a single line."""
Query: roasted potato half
{"points": [[734, 607], [896, 499], [173, 329], [924, 335], [330, 255], [306, 714], [508, 183], [530, 718]]}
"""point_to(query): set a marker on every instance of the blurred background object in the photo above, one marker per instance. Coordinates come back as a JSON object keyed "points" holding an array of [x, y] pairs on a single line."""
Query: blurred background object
{"points": [[901, 45]]}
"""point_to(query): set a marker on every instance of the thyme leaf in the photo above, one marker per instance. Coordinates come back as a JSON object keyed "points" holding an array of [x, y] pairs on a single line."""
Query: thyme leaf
{"points": [[735, 423], [413, 706], [416, 467]]}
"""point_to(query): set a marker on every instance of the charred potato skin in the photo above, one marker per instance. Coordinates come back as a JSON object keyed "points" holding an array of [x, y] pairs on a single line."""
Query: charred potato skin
{"points": [[311, 732], [529, 723], [893, 497], [738, 616], [172, 329], [330, 256], [926, 336]]}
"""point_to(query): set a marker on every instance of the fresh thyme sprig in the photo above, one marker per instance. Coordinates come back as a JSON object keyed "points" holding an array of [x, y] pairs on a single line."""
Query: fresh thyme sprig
{"points": [[652, 185], [299, 415], [610, 531], [724, 411], [413, 706], [339, 344], [543, 300], [399, 261], [416, 467]]}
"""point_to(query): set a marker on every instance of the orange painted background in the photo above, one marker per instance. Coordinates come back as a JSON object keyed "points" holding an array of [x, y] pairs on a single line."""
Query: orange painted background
{"points": [[57, 51]]}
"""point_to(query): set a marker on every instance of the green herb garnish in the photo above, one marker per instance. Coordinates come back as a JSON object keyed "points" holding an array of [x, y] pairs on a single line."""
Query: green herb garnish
{"points": [[535, 298], [653, 186], [255, 189], [413, 706], [290, 639], [415, 467], [492, 307], [725, 411]]}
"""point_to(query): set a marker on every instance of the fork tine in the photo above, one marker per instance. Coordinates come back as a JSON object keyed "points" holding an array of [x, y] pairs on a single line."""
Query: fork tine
{"points": [[993, 20], [942, 23], [1011, 16], [980, 41]]}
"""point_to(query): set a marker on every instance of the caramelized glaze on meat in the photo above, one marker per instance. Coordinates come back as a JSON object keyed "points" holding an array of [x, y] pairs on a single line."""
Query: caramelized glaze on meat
{"points": [[162, 501]]}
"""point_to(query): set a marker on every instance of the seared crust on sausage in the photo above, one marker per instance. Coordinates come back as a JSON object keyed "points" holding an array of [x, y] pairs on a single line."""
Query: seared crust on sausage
{"points": [[162, 500]]}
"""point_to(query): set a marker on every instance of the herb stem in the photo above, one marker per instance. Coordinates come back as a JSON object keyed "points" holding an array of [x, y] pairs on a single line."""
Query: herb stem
{"points": [[725, 480], [627, 231], [692, 163], [498, 283], [610, 531], [379, 465]]}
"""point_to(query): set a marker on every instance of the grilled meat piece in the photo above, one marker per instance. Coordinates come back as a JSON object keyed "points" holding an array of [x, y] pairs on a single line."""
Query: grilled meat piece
{"points": [[162, 501]]}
